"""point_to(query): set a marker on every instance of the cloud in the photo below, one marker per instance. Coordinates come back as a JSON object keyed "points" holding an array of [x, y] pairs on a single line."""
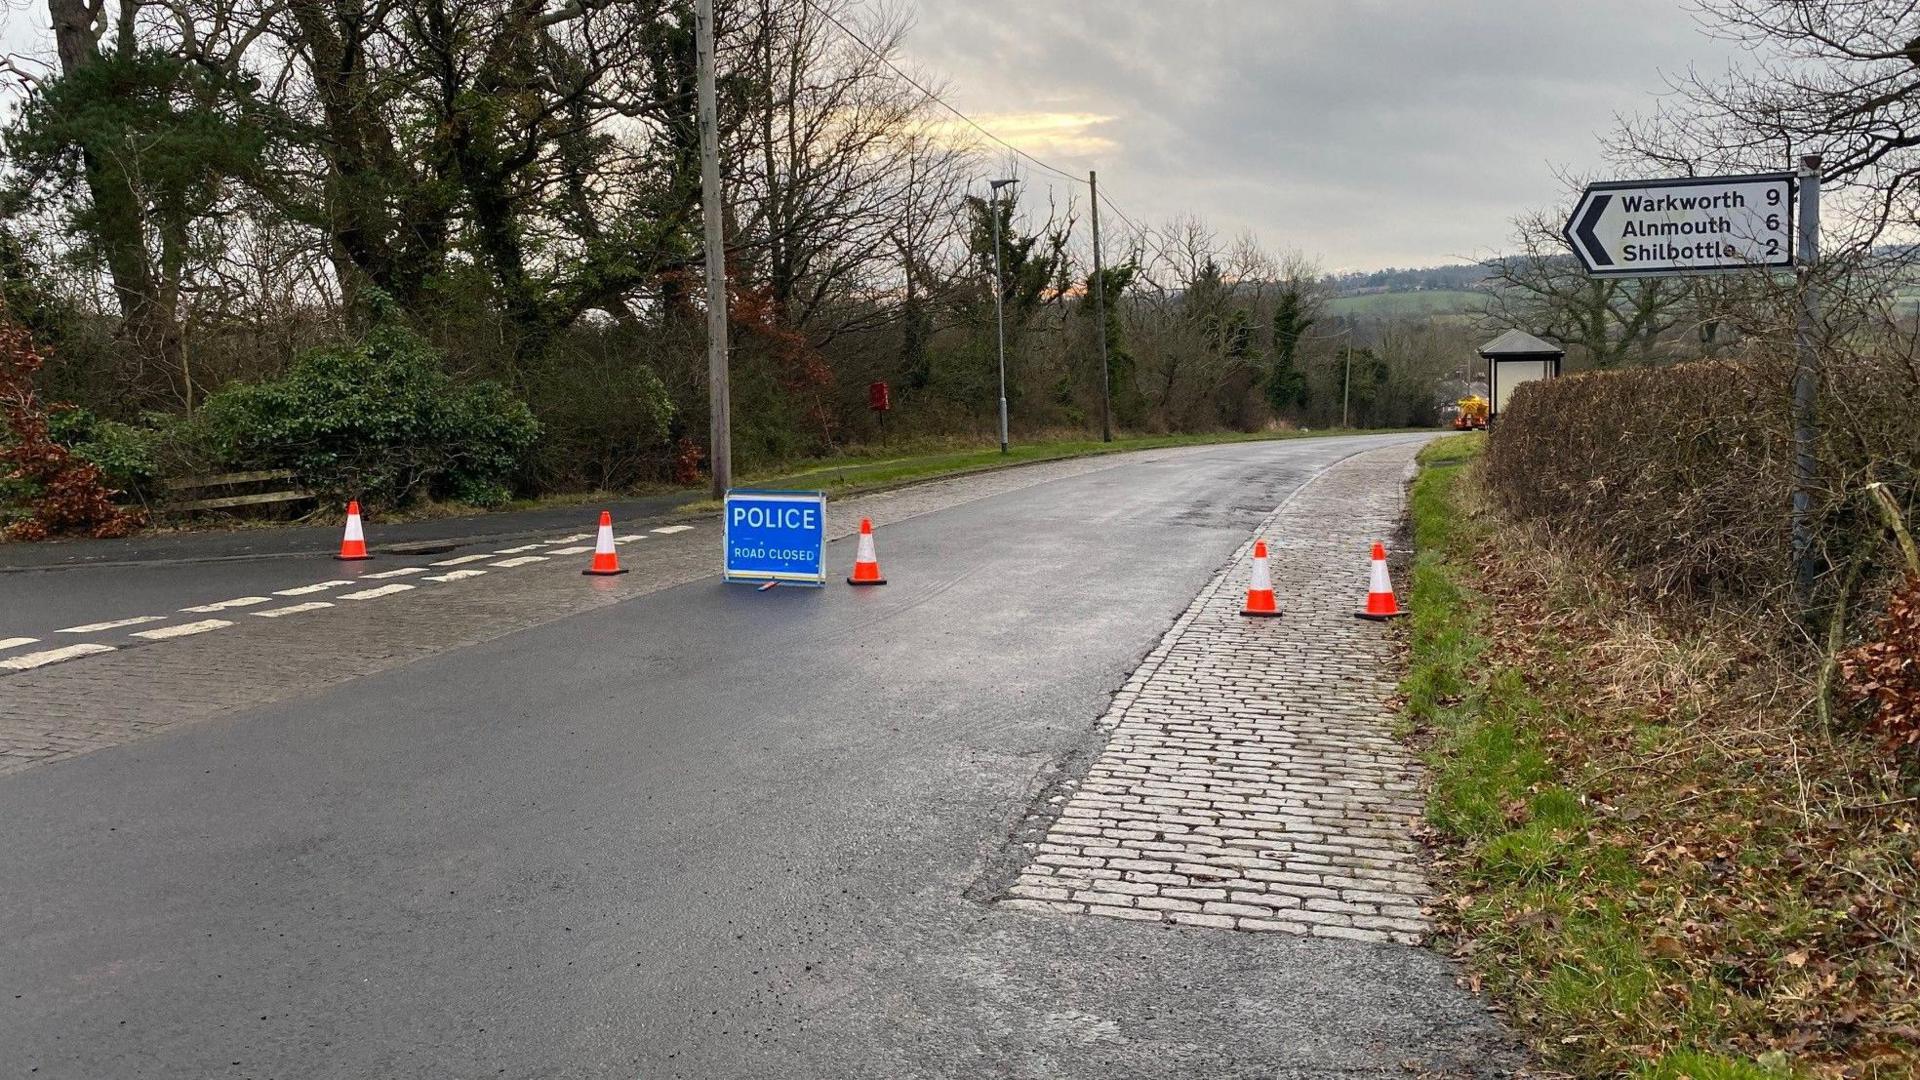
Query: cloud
{"points": [[1046, 135], [1365, 133]]}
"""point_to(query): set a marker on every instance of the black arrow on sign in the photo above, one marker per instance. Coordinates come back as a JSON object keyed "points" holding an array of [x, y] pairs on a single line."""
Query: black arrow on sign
{"points": [[1584, 231]]}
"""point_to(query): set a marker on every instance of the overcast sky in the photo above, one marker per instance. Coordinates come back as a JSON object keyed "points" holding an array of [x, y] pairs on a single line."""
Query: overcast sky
{"points": [[1364, 134]]}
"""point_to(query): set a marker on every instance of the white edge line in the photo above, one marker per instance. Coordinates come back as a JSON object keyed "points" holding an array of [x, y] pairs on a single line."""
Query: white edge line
{"points": [[294, 609], [384, 590], [307, 590], [183, 630], [222, 605], [116, 624], [462, 560], [52, 656]]}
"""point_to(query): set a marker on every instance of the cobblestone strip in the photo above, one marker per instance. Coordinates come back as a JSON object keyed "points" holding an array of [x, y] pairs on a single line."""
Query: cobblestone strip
{"points": [[1250, 781]]}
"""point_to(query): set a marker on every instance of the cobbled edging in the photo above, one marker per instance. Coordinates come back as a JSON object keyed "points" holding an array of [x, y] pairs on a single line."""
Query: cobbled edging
{"points": [[1251, 781]]}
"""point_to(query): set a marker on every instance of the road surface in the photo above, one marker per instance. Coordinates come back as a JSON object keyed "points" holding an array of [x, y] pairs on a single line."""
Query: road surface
{"points": [[696, 831]]}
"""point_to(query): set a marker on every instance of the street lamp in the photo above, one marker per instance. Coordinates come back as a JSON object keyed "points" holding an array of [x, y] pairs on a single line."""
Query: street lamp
{"points": [[999, 312]]}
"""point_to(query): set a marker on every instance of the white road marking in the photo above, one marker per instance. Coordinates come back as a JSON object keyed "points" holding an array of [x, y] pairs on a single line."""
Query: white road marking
{"points": [[574, 539], [369, 594], [308, 590], [517, 550], [183, 630], [16, 642], [402, 572], [51, 656], [521, 561], [462, 559], [116, 624], [244, 601], [669, 530], [456, 575], [293, 609], [630, 536], [571, 550]]}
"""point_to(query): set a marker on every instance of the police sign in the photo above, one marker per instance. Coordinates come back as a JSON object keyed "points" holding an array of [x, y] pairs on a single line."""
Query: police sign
{"points": [[1686, 225], [776, 536]]}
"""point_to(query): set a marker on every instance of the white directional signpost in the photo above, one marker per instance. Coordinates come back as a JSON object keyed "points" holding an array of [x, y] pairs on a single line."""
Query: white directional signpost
{"points": [[1717, 224], [1689, 225]]}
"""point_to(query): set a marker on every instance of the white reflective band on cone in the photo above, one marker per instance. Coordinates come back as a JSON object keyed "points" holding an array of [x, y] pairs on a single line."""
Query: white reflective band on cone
{"points": [[1261, 581]]}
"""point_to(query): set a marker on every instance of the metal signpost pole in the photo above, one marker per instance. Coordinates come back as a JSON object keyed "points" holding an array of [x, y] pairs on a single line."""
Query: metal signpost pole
{"points": [[713, 210], [1806, 379], [1100, 314]]}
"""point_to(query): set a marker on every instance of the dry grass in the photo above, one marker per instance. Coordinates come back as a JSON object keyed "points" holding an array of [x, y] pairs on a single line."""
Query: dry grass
{"points": [[1658, 857]]}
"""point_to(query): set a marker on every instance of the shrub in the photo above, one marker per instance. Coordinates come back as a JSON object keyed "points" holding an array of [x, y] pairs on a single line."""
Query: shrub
{"points": [[379, 421], [45, 489], [127, 456], [1886, 671], [606, 417]]}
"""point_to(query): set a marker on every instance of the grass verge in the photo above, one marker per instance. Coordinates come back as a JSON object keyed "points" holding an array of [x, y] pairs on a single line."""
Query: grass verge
{"points": [[1644, 855]]}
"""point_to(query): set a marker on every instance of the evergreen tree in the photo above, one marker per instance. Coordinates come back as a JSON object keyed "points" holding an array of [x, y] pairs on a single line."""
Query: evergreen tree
{"points": [[1286, 384]]}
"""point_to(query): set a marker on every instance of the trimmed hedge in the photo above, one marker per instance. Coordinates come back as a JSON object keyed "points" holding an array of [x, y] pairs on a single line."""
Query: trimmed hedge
{"points": [[1681, 476]]}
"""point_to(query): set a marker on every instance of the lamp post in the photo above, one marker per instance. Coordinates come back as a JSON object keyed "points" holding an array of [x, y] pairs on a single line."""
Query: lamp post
{"points": [[999, 311]]}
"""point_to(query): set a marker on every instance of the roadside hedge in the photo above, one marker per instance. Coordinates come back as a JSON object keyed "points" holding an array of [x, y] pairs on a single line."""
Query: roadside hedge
{"points": [[379, 421], [1681, 476]]}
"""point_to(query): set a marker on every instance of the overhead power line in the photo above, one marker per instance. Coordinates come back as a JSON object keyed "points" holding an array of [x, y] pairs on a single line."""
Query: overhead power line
{"points": [[1145, 235], [936, 98]]}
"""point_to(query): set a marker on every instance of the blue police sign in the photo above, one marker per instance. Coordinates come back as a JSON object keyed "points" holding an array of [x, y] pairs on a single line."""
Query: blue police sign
{"points": [[778, 536]]}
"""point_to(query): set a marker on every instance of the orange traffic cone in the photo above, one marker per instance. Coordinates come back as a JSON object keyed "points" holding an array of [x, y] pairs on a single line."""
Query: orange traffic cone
{"points": [[866, 565], [606, 562], [1260, 590], [353, 546], [1381, 605]]}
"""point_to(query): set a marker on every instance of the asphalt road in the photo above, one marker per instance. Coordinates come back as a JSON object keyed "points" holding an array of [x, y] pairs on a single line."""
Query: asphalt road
{"points": [[709, 832]]}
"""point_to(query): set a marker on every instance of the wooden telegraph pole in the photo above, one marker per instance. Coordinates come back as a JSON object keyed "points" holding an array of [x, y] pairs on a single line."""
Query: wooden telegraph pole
{"points": [[1100, 314], [713, 211]]}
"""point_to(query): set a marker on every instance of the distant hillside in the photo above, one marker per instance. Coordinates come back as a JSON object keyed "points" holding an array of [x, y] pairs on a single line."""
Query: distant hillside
{"points": [[1422, 302], [1454, 277]]}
